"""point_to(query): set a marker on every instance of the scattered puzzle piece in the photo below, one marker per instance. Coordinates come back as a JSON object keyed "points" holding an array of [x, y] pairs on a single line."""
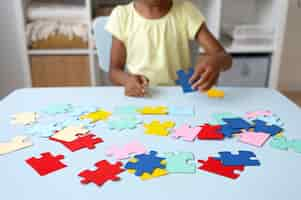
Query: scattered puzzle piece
{"points": [[261, 126], [105, 172], [259, 113], [81, 110], [183, 80], [215, 93], [182, 162], [218, 117], [124, 123], [57, 109], [17, 143], [86, 123], [87, 141], [126, 151], [46, 164], [126, 110], [158, 128], [228, 130], [238, 123], [245, 158], [70, 133], [147, 176], [215, 166], [159, 110], [96, 116], [280, 143], [43, 130], [26, 118], [210, 132], [145, 163], [186, 132], [295, 145], [181, 111], [252, 138], [271, 120]]}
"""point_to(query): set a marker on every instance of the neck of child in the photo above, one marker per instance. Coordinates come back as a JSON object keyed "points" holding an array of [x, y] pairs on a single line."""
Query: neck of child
{"points": [[153, 9]]}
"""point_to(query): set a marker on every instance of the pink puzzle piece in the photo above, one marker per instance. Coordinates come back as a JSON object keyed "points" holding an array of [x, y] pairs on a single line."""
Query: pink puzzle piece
{"points": [[186, 132], [126, 151], [259, 113], [255, 139]]}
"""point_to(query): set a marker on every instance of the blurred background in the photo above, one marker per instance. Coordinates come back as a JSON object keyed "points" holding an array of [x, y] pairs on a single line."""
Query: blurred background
{"points": [[51, 43]]}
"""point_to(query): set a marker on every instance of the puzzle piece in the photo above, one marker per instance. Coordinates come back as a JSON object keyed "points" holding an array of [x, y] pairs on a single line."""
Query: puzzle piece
{"points": [[295, 145], [261, 126], [271, 120], [183, 80], [210, 132], [215, 166], [158, 128], [215, 93], [70, 133], [159, 110], [182, 162], [96, 116], [81, 110], [26, 118], [186, 132], [228, 130], [43, 130], [85, 123], [87, 141], [259, 113], [126, 110], [280, 143], [237, 123], [126, 151], [105, 172], [252, 138], [46, 164], [17, 143], [244, 158], [124, 123], [218, 117], [181, 111], [147, 176], [57, 109], [145, 163]]}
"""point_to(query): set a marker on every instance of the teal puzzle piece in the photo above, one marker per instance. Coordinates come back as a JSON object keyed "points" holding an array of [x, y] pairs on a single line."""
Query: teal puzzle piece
{"points": [[280, 143], [182, 162], [57, 109], [126, 110], [295, 145], [218, 118], [124, 123]]}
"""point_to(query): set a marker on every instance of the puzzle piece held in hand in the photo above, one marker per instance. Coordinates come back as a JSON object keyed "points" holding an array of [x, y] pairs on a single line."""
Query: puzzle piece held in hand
{"points": [[158, 128], [16, 143], [215, 93], [145, 163], [186, 132], [159, 110], [57, 109], [261, 126], [87, 141], [26, 118], [182, 162], [215, 166], [96, 116], [252, 138], [210, 132], [46, 164], [183, 80], [124, 123], [105, 172], [70, 133], [245, 158], [126, 151]]}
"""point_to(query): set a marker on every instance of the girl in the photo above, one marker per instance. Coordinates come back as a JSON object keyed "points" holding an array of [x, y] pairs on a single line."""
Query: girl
{"points": [[151, 38]]}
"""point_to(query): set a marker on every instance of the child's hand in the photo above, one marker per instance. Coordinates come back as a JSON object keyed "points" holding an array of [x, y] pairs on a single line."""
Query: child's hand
{"points": [[136, 86], [206, 73]]}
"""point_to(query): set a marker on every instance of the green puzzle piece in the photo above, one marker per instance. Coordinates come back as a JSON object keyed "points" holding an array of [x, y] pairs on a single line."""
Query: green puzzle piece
{"points": [[280, 143], [124, 123], [182, 162], [218, 118], [126, 110], [295, 145]]}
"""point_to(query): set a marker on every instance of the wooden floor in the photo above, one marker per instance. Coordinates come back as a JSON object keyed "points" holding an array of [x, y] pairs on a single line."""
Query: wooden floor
{"points": [[294, 96]]}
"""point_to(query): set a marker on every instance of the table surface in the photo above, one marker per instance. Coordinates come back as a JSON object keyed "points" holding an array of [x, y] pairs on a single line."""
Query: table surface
{"points": [[277, 178]]}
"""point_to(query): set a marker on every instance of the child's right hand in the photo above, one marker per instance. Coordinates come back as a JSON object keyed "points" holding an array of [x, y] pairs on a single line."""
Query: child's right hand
{"points": [[136, 86]]}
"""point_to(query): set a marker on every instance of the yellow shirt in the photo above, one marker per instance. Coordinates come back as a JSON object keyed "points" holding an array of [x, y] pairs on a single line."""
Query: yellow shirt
{"points": [[156, 48]]}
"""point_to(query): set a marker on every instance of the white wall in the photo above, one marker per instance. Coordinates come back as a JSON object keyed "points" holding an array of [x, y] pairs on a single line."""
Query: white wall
{"points": [[290, 72], [11, 69]]}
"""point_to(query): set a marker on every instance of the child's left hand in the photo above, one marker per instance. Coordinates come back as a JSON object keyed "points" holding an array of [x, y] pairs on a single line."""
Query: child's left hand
{"points": [[206, 73]]}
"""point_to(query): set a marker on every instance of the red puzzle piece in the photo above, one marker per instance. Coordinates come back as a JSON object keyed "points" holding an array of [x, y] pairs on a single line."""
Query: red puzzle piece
{"points": [[46, 164], [215, 166], [105, 172], [210, 132], [87, 141]]}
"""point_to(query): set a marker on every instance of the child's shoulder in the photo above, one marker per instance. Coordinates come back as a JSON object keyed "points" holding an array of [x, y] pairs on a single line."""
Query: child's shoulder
{"points": [[123, 10]]}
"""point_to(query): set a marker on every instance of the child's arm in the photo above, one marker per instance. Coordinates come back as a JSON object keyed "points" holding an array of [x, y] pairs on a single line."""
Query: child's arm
{"points": [[135, 85], [214, 61]]}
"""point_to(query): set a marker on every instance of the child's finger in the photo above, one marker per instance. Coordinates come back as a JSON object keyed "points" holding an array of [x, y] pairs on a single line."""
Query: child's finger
{"points": [[209, 84], [202, 80], [196, 75]]}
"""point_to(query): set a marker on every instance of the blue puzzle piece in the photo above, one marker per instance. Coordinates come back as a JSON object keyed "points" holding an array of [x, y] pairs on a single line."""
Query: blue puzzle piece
{"points": [[228, 130], [261, 126], [244, 158], [181, 111], [183, 80], [81, 110], [75, 122], [57, 109], [238, 123], [146, 163]]}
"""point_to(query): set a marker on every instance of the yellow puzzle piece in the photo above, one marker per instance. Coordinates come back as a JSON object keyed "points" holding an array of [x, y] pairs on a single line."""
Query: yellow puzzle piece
{"points": [[159, 110], [25, 118], [158, 128], [96, 116], [215, 93]]}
